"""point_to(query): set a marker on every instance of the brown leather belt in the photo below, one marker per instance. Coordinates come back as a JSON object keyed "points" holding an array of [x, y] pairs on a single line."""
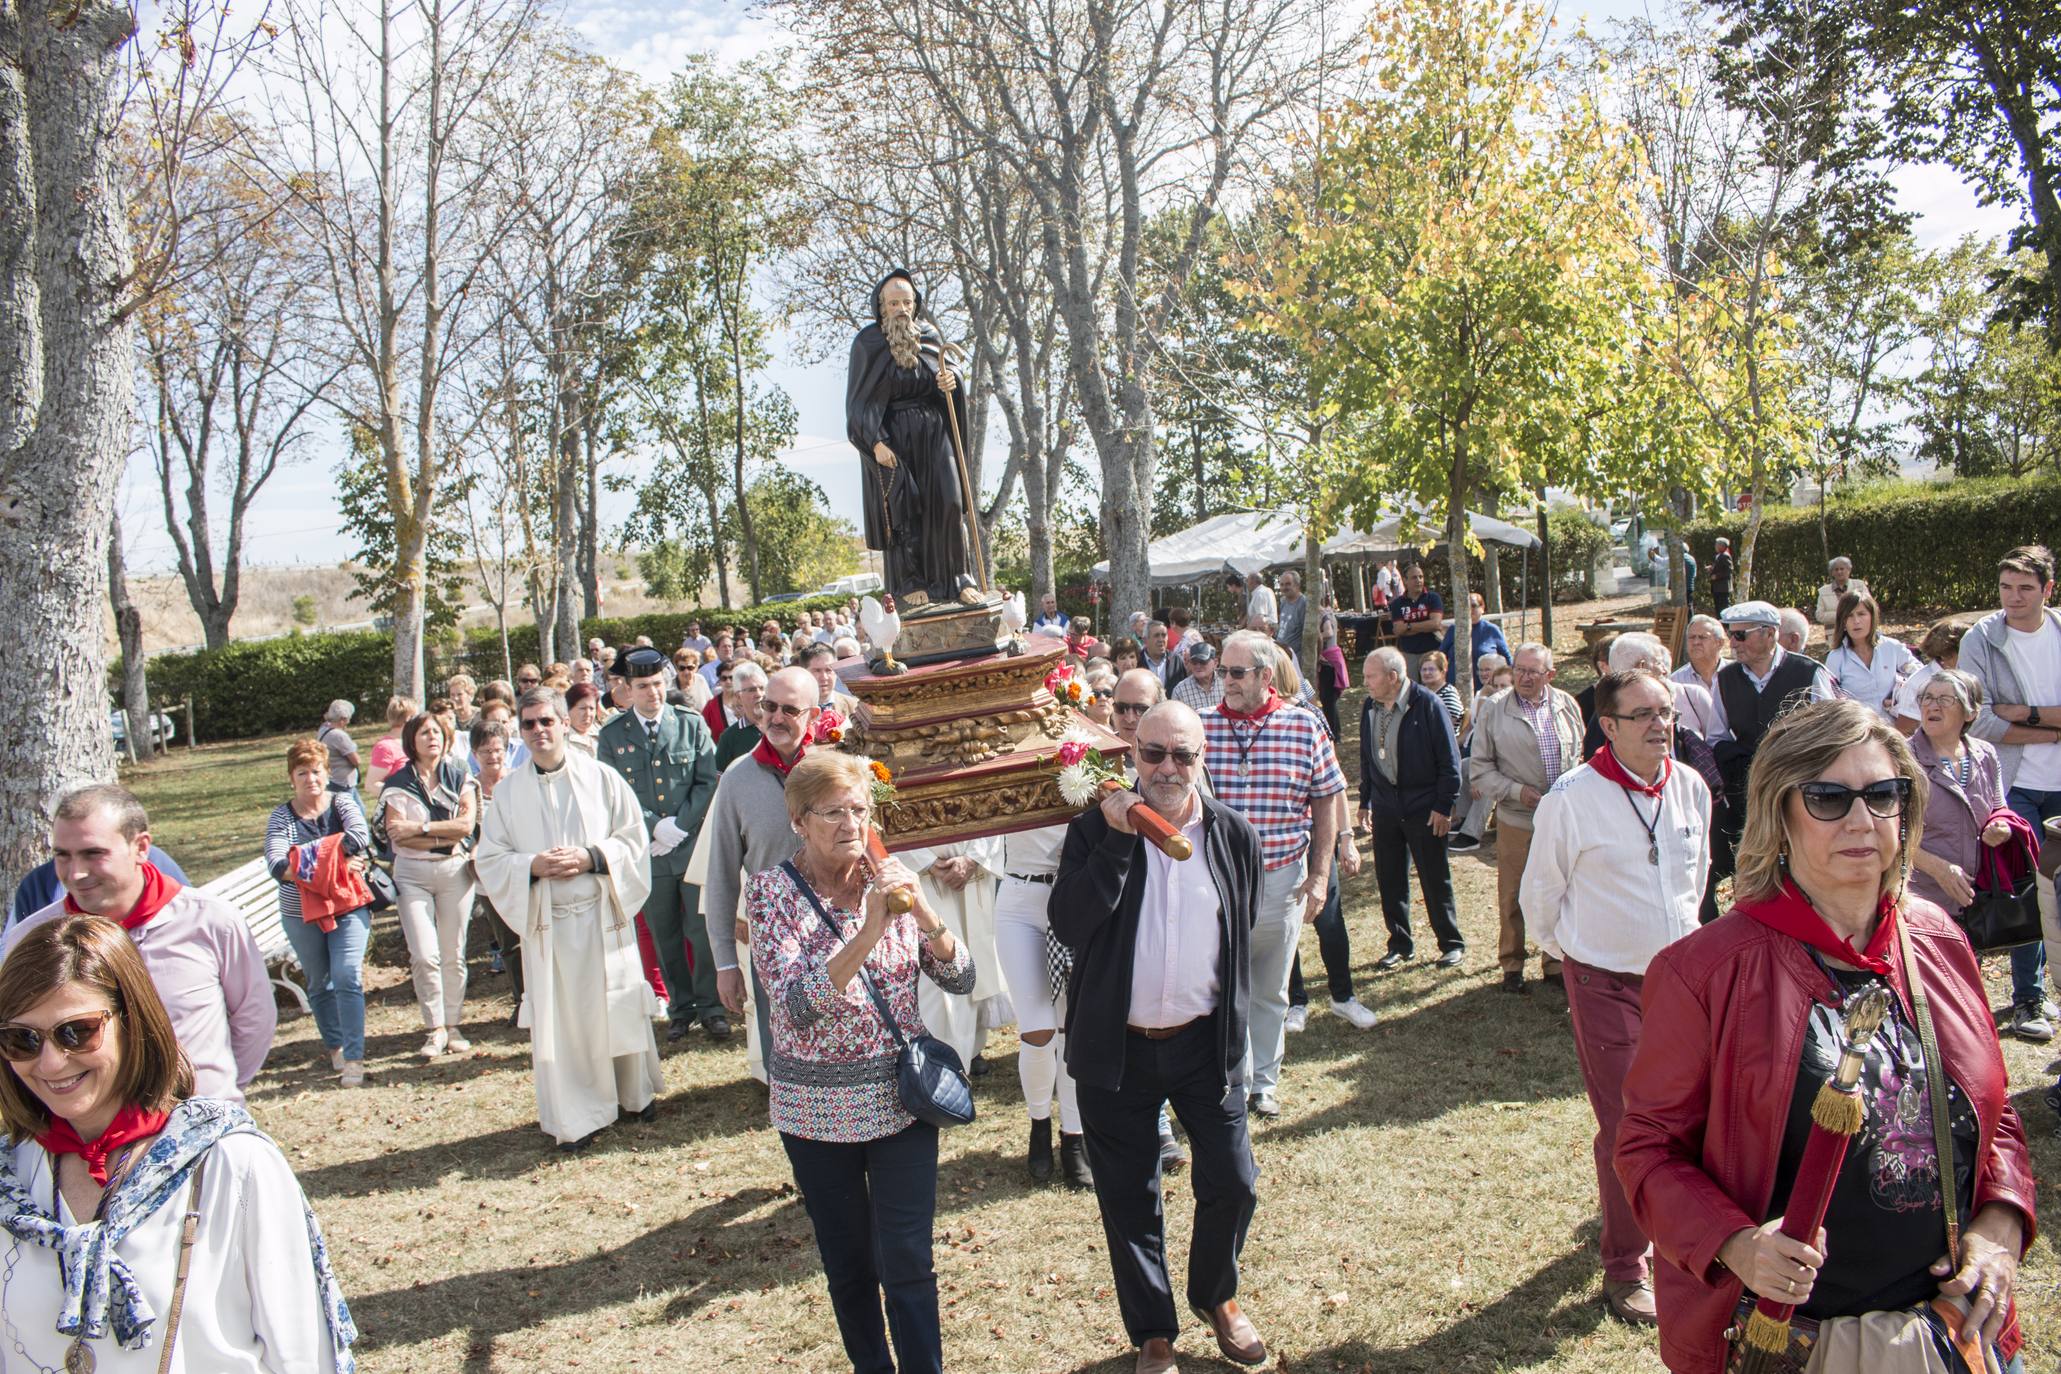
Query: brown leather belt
{"points": [[1162, 1032]]}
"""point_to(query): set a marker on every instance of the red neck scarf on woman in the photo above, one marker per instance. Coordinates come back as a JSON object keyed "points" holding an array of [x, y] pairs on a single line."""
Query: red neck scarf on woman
{"points": [[765, 753], [130, 1124], [1790, 912], [157, 891], [1604, 761], [1272, 704]]}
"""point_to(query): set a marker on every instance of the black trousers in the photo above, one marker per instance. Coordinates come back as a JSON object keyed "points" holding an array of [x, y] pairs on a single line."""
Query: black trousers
{"points": [[1336, 947], [872, 1204], [672, 913], [1122, 1134], [1400, 841]]}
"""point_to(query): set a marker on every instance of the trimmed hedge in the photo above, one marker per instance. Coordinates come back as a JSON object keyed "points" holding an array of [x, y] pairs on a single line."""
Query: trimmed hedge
{"points": [[1922, 547], [259, 687]]}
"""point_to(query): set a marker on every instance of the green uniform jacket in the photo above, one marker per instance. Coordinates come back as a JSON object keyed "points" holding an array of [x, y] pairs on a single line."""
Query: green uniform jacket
{"points": [[673, 775]]}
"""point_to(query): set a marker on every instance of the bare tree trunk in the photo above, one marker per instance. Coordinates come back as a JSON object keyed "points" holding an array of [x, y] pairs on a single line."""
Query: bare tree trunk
{"points": [[1456, 555], [566, 529], [66, 384], [129, 630], [590, 518], [1491, 563]]}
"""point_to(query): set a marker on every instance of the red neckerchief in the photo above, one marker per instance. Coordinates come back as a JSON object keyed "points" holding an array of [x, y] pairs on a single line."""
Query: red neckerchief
{"points": [[765, 753], [1790, 912], [158, 890], [130, 1124], [1272, 704], [1604, 761]]}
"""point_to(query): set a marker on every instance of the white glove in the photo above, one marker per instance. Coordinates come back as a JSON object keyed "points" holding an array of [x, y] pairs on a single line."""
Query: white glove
{"points": [[666, 836]]}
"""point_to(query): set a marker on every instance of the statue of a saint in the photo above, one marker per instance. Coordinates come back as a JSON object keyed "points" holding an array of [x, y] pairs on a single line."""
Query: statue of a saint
{"points": [[896, 416]]}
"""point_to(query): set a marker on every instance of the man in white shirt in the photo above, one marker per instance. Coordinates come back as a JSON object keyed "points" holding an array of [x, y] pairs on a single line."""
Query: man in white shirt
{"points": [[2015, 653], [1260, 605], [1704, 647], [1051, 620], [1620, 849]]}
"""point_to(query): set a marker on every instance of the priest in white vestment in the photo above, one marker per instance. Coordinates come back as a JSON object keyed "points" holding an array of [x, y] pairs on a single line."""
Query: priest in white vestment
{"points": [[563, 850], [959, 881]]}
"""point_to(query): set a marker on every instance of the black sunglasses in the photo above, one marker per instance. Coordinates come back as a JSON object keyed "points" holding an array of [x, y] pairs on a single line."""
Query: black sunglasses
{"points": [[1152, 755], [1235, 674], [1132, 708], [80, 1035], [781, 708], [1829, 801], [1741, 636]]}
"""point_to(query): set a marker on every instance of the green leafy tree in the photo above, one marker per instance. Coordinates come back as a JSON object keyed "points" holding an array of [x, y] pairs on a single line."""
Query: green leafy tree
{"points": [[803, 544], [367, 514], [1988, 402], [1461, 286]]}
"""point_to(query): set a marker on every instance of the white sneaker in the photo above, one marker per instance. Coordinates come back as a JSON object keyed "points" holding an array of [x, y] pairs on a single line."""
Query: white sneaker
{"points": [[1296, 1019], [1351, 1009], [2028, 1023], [353, 1073], [457, 1043], [336, 1059], [435, 1043]]}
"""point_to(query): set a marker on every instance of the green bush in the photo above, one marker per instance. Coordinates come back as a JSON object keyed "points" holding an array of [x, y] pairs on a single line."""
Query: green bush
{"points": [[1922, 547], [264, 686]]}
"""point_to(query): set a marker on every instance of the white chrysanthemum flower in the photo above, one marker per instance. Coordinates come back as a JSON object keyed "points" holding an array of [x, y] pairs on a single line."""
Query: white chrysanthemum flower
{"points": [[1078, 786]]}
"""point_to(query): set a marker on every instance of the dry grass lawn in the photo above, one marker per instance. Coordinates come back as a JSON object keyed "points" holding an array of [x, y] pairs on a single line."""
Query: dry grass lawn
{"points": [[1426, 1198]]}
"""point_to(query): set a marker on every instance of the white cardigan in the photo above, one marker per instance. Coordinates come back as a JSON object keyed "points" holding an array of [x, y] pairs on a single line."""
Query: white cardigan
{"points": [[251, 1305]]}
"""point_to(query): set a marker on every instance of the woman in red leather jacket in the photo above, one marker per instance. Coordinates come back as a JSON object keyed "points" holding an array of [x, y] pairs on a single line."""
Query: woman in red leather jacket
{"points": [[1739, 1032]]}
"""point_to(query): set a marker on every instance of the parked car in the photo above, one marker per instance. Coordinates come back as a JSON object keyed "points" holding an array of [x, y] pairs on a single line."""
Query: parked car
{"points": [[786, 596], [160, 728], [858, 584]]}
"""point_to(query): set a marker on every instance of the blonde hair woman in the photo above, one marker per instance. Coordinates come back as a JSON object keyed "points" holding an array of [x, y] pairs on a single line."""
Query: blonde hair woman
{"points": [[1741, 1029]]}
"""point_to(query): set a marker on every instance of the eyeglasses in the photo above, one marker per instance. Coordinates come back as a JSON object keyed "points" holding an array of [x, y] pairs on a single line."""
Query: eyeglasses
{"points": [[1829, 801], [838, 815], [1741, 636], [1132, 708], [1152, 755], [1237, 674], [80, 1035], [538, 722], [1647, 715], [527, 681], [1939, 699], [781, 708]]}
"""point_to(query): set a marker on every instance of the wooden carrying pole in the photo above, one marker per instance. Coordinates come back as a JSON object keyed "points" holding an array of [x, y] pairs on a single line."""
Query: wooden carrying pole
{"points": [[966, 493]]}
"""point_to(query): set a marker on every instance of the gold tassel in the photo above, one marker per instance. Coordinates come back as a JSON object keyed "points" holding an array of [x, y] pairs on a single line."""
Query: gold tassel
{"points": [[1838, 1112], [1765, 1333]]}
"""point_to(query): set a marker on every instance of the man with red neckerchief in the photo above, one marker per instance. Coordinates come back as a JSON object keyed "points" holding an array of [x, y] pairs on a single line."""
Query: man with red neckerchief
{"points": [[1620, 848], [201, 956], [748, 830], [1272, 762]]}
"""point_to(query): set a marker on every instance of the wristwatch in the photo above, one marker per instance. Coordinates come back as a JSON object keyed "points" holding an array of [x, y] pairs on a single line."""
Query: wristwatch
{"points": [[2032, 715]]}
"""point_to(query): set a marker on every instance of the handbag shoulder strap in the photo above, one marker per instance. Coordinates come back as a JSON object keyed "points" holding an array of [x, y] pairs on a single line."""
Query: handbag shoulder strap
{"points": [[1935, 1088], [187, 1231], [872, 989]]}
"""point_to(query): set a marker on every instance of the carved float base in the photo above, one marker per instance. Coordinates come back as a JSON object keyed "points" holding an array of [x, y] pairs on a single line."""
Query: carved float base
{"points": [[971, 744], [943, 631]]}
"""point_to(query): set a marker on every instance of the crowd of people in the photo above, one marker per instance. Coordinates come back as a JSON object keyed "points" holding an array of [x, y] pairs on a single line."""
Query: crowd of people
{"points": [[670, 838]]}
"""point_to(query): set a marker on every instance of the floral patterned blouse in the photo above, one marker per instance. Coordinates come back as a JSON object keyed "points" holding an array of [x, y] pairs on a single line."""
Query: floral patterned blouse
{"points": [[832, 1060]]}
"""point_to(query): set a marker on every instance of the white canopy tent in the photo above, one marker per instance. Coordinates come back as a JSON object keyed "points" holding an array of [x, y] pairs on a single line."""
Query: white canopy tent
{"points": [[1253, 541]]}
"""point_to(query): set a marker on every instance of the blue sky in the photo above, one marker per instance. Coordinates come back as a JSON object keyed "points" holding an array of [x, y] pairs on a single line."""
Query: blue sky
{"points": [[294, 520]]}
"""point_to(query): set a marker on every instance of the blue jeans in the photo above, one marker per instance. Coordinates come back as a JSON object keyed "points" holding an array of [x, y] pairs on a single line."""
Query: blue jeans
{"points": [[334, 962], [2029, 962]]}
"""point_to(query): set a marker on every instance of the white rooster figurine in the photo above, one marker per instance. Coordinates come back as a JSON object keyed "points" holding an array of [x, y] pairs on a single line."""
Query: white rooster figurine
{"points": [[1015, 615], [882, 626]]}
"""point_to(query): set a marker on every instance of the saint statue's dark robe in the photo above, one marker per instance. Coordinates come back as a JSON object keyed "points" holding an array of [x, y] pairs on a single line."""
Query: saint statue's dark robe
{"points": [[915, 514]]}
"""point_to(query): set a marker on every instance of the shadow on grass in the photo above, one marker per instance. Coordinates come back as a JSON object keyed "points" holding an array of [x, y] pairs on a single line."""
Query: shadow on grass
{"points": [[685, 1118], [703, 1257]]}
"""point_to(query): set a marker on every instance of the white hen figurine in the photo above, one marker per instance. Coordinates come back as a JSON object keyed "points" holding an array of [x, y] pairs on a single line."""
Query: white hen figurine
{"points": [[883, 627]]}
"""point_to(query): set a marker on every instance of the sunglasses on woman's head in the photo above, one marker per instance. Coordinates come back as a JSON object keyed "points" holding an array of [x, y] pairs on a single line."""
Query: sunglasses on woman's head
{"points": [[1830, 801], [80, 1035]]}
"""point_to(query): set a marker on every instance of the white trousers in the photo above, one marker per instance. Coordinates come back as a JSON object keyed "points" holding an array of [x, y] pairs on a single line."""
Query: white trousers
{"points": [[435, 906], [1020, 925]]}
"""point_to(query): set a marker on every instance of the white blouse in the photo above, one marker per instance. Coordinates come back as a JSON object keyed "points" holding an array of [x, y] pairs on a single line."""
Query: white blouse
{"points": [[1872, 684], [252, 1303]]}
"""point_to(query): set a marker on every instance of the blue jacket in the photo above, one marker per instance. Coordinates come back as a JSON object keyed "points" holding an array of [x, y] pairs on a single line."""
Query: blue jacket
{"points": [[1427, 759]]}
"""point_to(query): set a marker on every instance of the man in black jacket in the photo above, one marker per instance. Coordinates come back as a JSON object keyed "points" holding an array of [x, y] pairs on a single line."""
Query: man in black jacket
{"points": [[1409, 785], [1156, 1012]]}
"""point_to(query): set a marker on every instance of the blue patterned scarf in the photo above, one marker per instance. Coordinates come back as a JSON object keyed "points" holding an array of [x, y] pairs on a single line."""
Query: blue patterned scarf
{"points": [[97, 1283]]}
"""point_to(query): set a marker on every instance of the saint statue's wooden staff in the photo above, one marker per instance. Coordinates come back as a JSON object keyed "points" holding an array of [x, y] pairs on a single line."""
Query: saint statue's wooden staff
{"points": [[946, 358], [1837, 1114]]}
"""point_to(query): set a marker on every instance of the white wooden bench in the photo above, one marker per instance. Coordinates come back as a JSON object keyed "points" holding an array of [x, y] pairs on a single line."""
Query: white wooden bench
{"points": [[254, 892]]}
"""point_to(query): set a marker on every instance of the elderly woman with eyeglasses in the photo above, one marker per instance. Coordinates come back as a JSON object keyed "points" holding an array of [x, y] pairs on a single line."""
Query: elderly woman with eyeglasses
{"points": [[1967, 791], [1743, 1027], [867, 1169]]}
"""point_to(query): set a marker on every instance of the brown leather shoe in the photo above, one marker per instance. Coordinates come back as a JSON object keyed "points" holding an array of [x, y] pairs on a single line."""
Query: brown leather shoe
{"points": [[1156, 1356], [1236, 1336], [1631, 1301]]}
